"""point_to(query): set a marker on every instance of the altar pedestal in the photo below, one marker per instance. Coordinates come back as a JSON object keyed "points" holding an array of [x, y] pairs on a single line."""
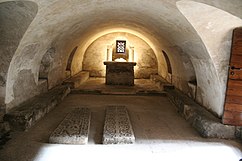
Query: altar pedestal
{"points": [[119, 73]]}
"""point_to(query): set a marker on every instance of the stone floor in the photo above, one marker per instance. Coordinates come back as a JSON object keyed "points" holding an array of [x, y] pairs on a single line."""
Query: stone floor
{"points": [[97, 85], [161, 134]]}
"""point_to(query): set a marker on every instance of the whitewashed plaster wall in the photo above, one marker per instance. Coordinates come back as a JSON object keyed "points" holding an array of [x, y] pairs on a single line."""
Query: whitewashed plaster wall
{"points": [[215, 28], [15, 18], [96, 54], [63, 25]]}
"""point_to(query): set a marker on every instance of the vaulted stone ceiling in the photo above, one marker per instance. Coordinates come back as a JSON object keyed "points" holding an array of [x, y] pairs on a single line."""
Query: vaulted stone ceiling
{"points": [[196, 35]]}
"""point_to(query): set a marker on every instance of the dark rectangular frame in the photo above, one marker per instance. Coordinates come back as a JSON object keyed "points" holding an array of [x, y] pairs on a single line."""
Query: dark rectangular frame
{"points": [[117, 46]]}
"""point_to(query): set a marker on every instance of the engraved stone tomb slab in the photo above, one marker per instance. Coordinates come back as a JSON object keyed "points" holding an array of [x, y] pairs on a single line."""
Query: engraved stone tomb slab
{"points": [[117, 126], [73, 129]]}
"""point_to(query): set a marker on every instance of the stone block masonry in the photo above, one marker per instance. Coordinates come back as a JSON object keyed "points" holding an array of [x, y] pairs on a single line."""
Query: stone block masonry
{"points": [[73, 129], [120, 73], [117, 126]]}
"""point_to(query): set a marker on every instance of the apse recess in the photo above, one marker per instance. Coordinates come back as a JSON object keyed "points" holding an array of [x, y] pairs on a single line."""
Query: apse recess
{"points": [[144, 55]]}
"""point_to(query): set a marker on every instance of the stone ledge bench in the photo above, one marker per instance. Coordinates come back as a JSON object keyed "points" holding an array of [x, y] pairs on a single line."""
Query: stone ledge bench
{"points": [[73, 129], [27, 114], [202, 120], [117, 126], [76, 80]]}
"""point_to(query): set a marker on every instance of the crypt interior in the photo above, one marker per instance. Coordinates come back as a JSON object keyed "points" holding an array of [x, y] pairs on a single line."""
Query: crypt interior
{"points": [[120, 80]]}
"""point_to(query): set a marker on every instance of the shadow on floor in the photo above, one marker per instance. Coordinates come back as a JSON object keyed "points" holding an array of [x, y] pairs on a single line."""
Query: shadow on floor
{"points": [[158, 128]]}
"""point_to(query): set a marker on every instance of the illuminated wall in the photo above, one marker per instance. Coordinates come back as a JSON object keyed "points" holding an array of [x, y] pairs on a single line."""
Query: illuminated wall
{"points": [[96, 54]]}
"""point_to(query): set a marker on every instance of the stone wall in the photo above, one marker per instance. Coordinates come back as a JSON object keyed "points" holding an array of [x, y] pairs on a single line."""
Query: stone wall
{"points": [[15, 18], [217, 41], [96, 54]]}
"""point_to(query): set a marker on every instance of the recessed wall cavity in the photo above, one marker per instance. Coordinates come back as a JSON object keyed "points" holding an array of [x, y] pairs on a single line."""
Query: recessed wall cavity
{"points": [[169, 69], [46, 63], [96, 54], [69, 63]]}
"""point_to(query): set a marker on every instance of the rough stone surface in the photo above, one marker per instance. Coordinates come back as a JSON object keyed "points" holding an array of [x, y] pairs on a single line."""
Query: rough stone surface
{"points": [[160, 82], [4, 128], [203, 121], [77, 79], [15, 18], [23, 88], [117, 126], [46, 63], [193, 89], [4, 132], [27, 114], [120, 73], [74, 129]]}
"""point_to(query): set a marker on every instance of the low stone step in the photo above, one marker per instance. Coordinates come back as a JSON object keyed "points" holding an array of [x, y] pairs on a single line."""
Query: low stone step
{"points": [[118, 91], [150, 93], [117, 126], [73, 129], [77, 79], [86, 91], [27, 114]]}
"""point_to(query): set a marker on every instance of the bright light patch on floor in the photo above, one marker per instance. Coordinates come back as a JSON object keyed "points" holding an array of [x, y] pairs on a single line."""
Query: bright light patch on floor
{"points": [[167, 151]]}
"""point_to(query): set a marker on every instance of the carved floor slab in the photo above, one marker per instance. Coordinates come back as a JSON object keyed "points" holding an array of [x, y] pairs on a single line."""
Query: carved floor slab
{"points": [[74, 128], [117, 126]]}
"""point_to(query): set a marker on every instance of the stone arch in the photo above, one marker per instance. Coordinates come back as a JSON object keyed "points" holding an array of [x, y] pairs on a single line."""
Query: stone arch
{"points": [[214, 27], [168, 63], [70, 59], [15, 18], [168, 66]]}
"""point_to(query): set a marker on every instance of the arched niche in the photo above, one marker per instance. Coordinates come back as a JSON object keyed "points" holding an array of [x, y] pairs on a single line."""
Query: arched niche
{"points": [[96, 54], [69, 62]]}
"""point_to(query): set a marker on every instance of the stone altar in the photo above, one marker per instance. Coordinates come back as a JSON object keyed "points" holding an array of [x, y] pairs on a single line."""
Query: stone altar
{"points": [[119, 73]]}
